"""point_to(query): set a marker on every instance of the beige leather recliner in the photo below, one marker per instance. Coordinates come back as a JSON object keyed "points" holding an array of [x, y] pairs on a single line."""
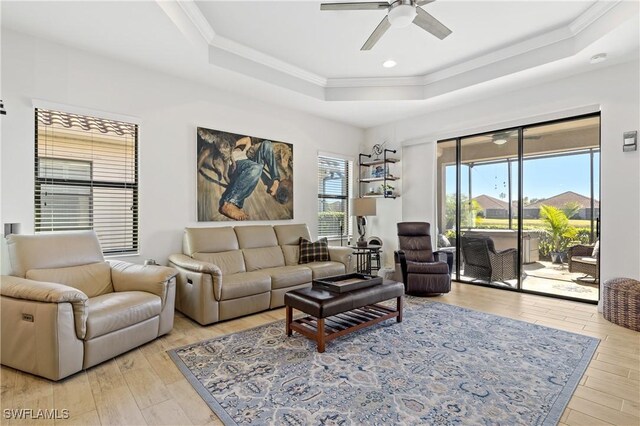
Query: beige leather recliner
{"points": [[64, 308], [228, 272]]}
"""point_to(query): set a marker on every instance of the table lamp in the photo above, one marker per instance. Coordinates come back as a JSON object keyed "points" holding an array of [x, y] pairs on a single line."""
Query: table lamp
{"points": [[363, 207]]}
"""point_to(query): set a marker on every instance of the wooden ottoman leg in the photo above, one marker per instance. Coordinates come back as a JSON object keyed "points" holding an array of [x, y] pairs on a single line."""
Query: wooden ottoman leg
{"points": [[289, 315], [320, 335], [400, 305]]}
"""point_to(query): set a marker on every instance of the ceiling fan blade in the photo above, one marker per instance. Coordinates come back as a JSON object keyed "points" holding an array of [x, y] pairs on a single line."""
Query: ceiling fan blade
{"points": [[355, 6], [428, 23], [382, 28], [423, 2]]}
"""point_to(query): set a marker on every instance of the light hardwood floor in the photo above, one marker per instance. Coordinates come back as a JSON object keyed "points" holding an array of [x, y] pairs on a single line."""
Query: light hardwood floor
{"points": [[144, 386]]}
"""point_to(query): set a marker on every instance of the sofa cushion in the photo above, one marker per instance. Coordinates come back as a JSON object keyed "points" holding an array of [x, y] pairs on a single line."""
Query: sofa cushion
{"points": [[325, 269], [290, 234], [288, 276], [291, 254], [229, 262], [115, 311], [93, 279], [209, 240], [314, 251], [244, 284], [256, 236], [261, 258]]}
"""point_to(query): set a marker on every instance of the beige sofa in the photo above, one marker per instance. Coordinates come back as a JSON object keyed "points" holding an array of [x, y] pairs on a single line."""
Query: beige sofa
{"points": [[229, 272], [64, 308]]}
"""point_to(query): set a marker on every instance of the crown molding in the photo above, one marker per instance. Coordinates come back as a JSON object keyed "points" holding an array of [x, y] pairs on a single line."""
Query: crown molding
{"points": [[191, 9], [267, 60], [508, 59], [591, 15]]}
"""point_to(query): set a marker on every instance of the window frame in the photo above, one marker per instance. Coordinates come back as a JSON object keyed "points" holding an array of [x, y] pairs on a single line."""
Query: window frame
{"points": [[348, 162], [90, 183]]}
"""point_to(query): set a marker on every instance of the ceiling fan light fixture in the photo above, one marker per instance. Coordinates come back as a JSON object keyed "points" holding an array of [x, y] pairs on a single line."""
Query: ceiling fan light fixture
{"points": [[402, 15], [389, 63]]}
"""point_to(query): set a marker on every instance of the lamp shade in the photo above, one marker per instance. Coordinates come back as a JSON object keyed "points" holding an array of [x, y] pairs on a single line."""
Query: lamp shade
{"points": [[364, 207]]}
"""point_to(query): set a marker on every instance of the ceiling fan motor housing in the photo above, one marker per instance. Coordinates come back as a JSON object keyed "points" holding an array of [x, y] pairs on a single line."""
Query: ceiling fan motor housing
{"points": [[402, 13]]}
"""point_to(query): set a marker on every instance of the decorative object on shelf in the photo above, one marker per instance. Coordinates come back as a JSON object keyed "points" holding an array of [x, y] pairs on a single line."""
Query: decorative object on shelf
{"points": [[377, 150], [243, 178], [387, 189], [629, 141], [149, 262], [363, 207]]}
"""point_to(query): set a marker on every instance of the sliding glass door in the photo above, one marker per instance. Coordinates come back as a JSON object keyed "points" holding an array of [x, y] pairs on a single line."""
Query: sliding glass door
{"points": [[489, 197], [560, 204], [509, 201]]}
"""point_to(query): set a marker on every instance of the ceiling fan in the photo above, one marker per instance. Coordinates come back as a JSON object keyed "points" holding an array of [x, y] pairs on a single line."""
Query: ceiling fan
{"points": [[400, 13], [500, 138]]}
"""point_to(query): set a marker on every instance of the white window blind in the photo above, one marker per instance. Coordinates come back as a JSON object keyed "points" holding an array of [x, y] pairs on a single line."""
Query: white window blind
{"points": [[86, 177], [333, 196]]}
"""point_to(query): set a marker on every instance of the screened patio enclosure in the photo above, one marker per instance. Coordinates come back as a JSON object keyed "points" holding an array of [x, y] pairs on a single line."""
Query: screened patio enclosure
{"points": [[514, 203]]}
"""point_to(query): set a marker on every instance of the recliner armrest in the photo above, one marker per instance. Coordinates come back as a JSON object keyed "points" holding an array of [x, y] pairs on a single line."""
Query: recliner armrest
{"points": [[342, 255], [150, 278], [449, 256], [41, 291], [400, 258]]}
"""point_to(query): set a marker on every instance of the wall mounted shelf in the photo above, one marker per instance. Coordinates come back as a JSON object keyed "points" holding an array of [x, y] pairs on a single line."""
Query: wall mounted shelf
{"points": [[367, 175]]}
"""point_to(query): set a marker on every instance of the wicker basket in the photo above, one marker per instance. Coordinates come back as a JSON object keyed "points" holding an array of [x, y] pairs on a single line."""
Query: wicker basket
{"points": [[621, 302]]}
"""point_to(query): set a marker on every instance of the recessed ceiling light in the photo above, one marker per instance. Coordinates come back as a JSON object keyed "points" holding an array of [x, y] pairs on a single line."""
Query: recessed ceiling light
{"points": [[389, 63], [500, 141], [600, 57]]}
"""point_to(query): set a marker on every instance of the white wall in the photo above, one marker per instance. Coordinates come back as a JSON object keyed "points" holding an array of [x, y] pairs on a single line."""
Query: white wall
{"points": [[168, 109], [615, 91]]}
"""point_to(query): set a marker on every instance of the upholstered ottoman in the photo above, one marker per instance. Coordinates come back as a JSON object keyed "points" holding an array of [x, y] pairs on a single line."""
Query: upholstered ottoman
{"points": [[621, 302], [333, 315]]}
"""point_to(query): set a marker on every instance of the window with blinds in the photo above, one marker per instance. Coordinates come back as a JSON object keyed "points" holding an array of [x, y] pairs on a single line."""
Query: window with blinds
{"points": [[86, 177], [333, 196]]}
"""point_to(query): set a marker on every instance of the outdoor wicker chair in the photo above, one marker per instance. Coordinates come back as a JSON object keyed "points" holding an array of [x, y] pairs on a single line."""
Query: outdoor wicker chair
{"points": [[482, 261], [585, 259]]}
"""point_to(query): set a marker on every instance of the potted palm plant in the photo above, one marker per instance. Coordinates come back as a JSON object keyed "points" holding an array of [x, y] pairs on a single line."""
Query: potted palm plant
{"points": [[559, 229]]}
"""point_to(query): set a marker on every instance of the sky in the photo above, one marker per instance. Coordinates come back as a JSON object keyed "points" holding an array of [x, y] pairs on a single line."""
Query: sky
{"points": [[542, 178]]}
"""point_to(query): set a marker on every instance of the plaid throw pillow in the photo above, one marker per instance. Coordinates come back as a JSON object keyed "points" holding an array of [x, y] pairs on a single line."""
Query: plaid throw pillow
{"points": [[314, 252]]}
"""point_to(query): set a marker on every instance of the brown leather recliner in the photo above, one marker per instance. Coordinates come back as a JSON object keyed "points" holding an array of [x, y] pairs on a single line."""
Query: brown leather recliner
{"points": [[416, 263], [65, 309]]}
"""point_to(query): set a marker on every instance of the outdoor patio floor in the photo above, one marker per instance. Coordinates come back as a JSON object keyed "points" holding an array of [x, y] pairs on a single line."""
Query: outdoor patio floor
{"points": [[546, 277]]}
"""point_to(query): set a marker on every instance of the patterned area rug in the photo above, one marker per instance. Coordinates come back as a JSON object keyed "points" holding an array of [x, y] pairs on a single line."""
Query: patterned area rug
{"points": [[442, 365]]}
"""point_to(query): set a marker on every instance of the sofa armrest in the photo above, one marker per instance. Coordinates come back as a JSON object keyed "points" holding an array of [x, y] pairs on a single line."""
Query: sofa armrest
{"points": [[342, 255], [191, 264], [150, 278], [41, 291]]}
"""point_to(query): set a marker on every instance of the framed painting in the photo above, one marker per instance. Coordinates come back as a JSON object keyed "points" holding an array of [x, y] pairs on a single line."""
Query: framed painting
{"points": [[243, 177]]}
